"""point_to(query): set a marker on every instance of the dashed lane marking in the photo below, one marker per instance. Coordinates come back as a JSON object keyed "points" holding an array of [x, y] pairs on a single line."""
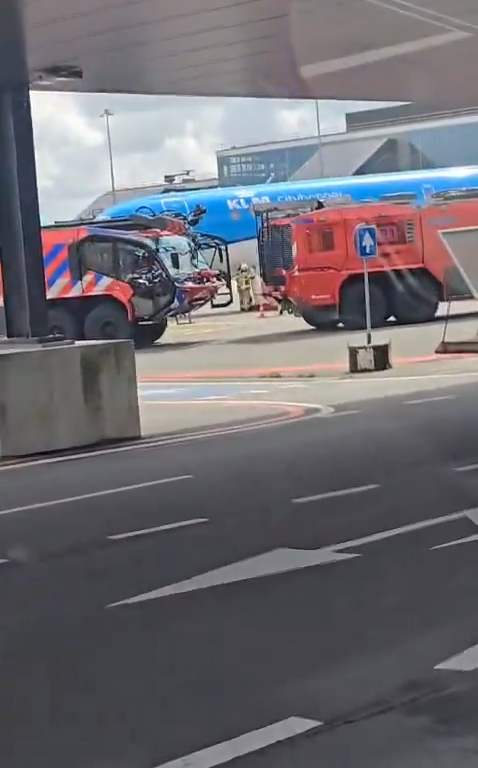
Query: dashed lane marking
{"points": [[466, 468], [245, 744], [94, 494], [421, 400], [335, 494], [158, 529]]}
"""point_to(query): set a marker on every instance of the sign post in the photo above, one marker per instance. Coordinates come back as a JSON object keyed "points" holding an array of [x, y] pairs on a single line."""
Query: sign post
{"points": [[366, 245]]}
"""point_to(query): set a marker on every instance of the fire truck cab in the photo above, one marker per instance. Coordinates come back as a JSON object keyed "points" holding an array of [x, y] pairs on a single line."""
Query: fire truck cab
{"points": [[312, 257], [123, 278]]}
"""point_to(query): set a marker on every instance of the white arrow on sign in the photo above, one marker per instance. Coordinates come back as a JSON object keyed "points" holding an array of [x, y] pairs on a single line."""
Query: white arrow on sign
{"points": [[284, 560], [368, 242]]}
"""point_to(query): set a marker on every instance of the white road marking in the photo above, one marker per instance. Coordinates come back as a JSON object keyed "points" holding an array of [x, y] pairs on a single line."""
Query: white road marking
{"points": [[273, 562], [212, 397], [429, 400], [382, 379], [245, 744], [166, 527], [326, 409], [282, 560], [94, 494], [462, 662], [257, 392], [472, 514], [335, 494], [453, 543], [342, 413], [142, 392], [466, 468], [2, 562]]}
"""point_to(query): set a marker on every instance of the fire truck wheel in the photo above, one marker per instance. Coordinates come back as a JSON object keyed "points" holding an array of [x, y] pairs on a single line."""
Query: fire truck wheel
{"points": [[352, 306], [107, 322], [317, 318], [146, 335], [62, 323], [418, 304]]}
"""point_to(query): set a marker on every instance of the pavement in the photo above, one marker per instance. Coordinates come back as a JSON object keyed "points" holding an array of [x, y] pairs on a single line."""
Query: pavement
{"points": [[297, 594], [227, 345]]}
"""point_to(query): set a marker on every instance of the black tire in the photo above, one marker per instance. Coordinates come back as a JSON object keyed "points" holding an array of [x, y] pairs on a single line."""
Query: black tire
{"points": [[107, 322], [318, 319], [62, 323], [146, 335], [416, 301], [352, 306]]}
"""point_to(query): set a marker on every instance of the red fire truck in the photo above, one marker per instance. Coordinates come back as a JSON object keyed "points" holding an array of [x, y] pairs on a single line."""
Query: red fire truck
{"points": [[123, 278], [307, 256]]}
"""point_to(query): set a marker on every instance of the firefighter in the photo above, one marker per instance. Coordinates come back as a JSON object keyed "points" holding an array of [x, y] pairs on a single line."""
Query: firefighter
{"points": [[244, 288]]}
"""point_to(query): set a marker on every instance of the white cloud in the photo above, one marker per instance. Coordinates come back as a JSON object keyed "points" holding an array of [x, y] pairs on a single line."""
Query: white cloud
{"points": [[152, 136]]}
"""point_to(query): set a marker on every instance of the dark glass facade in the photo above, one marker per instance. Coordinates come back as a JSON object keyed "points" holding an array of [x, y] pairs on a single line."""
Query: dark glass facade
{"points": [[435, 147], [418, 148], [260, 167]]}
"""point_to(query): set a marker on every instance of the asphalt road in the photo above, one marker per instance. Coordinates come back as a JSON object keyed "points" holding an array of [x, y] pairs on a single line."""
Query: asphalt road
{"points": [[185, 603]]}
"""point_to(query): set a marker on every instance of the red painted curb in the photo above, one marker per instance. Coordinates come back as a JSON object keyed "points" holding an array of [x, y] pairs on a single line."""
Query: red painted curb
{"points": [[261, 372]]}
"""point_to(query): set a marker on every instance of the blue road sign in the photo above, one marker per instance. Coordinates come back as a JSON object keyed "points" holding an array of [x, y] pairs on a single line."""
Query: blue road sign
{"points": [[366, 241]]}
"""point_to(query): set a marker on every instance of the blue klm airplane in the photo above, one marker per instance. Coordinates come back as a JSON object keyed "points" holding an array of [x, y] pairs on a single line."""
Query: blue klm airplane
{"points": [[230, 217]]}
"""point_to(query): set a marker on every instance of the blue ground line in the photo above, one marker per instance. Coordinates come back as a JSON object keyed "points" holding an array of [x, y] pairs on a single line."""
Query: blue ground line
{"points": [[162, 393]]}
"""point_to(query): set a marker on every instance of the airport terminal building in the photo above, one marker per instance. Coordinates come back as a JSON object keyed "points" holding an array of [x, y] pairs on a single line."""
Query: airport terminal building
{"points": [[381, 140]]}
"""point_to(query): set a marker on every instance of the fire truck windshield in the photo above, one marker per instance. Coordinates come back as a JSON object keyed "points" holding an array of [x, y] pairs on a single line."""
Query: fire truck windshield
{"points": [[179, 254]]}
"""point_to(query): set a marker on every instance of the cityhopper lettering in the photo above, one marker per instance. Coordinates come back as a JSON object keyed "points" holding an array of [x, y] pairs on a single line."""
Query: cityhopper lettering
{"points": [[323, 194], [244, 203]]}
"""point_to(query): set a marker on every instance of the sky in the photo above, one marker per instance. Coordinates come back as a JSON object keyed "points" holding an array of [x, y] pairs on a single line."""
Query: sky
{"points": [[151, 136]]}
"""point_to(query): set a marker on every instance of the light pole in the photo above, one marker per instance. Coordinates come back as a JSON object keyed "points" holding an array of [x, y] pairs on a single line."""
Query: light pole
{"points": [[319, 136], [106, 114]]}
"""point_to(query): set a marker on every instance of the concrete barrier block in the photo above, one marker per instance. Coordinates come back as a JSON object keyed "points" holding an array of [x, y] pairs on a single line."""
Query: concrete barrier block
{"points": [[62, 396]]}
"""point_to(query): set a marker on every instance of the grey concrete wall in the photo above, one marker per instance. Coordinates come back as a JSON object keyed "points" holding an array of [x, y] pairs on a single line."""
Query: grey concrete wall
{"points": [[65, 396]]}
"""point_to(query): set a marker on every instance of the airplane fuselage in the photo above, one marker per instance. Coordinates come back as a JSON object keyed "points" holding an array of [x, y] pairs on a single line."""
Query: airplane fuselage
{"points": [[230, 217]]}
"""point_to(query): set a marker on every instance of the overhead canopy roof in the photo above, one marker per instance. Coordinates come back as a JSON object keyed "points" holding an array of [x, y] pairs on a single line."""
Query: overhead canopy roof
{"points": [[395, 50]]}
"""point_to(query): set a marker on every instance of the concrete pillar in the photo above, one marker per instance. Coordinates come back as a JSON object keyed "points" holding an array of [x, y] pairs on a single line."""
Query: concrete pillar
{"points": [[20, 236]]}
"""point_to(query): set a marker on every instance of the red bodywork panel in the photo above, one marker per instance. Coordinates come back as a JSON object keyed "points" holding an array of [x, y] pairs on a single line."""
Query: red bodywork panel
{"points": [[60, 283], [324, 251]]}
